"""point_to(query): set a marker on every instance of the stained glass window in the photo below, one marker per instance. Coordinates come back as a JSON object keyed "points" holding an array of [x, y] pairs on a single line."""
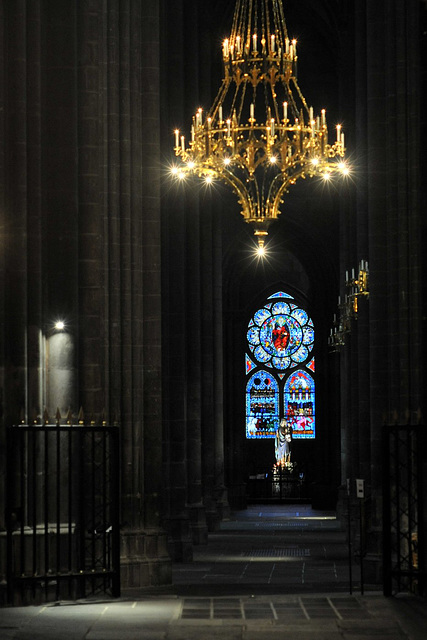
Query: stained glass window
{"points": [[280, 335], [262, 405], [299, 404], [280, 341]]}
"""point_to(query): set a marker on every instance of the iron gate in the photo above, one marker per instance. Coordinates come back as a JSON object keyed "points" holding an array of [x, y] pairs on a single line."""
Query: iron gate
{"points": [[62, 512], [404, 562]]}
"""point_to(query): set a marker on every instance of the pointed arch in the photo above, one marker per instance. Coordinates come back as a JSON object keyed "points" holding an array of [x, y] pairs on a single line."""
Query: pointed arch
{"points": [[281, 366]]}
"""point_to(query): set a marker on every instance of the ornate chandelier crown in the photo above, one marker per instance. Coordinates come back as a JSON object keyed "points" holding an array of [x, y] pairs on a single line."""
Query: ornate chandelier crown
{"points": [[259, 135]]}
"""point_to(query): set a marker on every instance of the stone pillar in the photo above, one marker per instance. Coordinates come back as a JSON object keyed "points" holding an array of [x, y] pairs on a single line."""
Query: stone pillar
{"points": [[14, 239], [394, 233], [15, 243], [156, 542], [209, 398], [59, 214], [35, 351], [195, 344], [221, 493], [90, 205], [174, 313], [145, 560]]}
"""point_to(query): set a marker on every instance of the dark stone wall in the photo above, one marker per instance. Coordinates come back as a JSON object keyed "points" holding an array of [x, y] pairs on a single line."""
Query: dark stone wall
{"points": [[81, 227]]}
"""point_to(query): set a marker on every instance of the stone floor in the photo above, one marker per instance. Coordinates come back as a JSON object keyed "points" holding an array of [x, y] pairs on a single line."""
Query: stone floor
{"points": [[268, 549], [270, 572]]}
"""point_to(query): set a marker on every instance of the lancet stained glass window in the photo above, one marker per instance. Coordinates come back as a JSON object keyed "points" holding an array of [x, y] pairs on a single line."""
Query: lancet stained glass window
{"points": [[281, 364], [299, 404], [262, 405]]}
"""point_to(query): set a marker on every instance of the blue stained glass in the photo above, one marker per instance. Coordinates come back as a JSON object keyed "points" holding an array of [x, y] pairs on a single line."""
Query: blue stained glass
{"points": [[281, 337], [300, 315], [281, 363], [262, 406], [308, 335], [261, 315], [301, 354], [281, 307], [299, 404], [280, 294], [261, 355], [253, 335]]}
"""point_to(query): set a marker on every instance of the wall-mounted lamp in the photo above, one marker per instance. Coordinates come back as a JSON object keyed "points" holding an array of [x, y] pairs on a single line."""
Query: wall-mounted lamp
{"points": [[348, 310]]}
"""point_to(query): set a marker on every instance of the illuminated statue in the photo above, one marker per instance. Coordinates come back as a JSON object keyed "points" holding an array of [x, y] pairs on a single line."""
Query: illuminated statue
{"points": [[282, 443]]}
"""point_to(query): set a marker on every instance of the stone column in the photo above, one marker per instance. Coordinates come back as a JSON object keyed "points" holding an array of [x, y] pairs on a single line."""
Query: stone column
{"points": [[144, 555], [195, 345], [59, 214], [14, 229], [90, 203], [155, 541], [209, 397], [221, 493], [15, 212], [394, 232], [35, 351], [175, 291]]}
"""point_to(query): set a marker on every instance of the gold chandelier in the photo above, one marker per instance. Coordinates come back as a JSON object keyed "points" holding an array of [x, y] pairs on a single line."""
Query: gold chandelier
{"points": [[260, 136]]}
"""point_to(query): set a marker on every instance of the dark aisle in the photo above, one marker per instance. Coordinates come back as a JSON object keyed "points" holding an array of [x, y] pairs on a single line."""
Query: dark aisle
{"points": [[271, 549]]}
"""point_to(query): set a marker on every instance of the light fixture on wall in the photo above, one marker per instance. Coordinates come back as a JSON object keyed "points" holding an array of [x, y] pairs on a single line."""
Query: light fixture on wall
{"points": [[357, 287], [260, 136]]}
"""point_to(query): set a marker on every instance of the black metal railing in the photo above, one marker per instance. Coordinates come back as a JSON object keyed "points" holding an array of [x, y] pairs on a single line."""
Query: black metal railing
{"points": [[277, 486], [62, 512], [403, 521]]}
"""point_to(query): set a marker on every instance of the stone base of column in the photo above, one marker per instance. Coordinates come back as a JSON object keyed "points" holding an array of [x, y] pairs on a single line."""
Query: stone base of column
{"points": [[180, 543], [222, 504], [373, 559], [237, 496], [213, 520], [144, 559], [372, 571], [198, 525]]}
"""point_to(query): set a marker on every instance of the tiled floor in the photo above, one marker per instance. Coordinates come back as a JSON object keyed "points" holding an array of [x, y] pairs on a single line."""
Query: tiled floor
{"points": [[298, 608], [269, 549], [271, 573]]}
